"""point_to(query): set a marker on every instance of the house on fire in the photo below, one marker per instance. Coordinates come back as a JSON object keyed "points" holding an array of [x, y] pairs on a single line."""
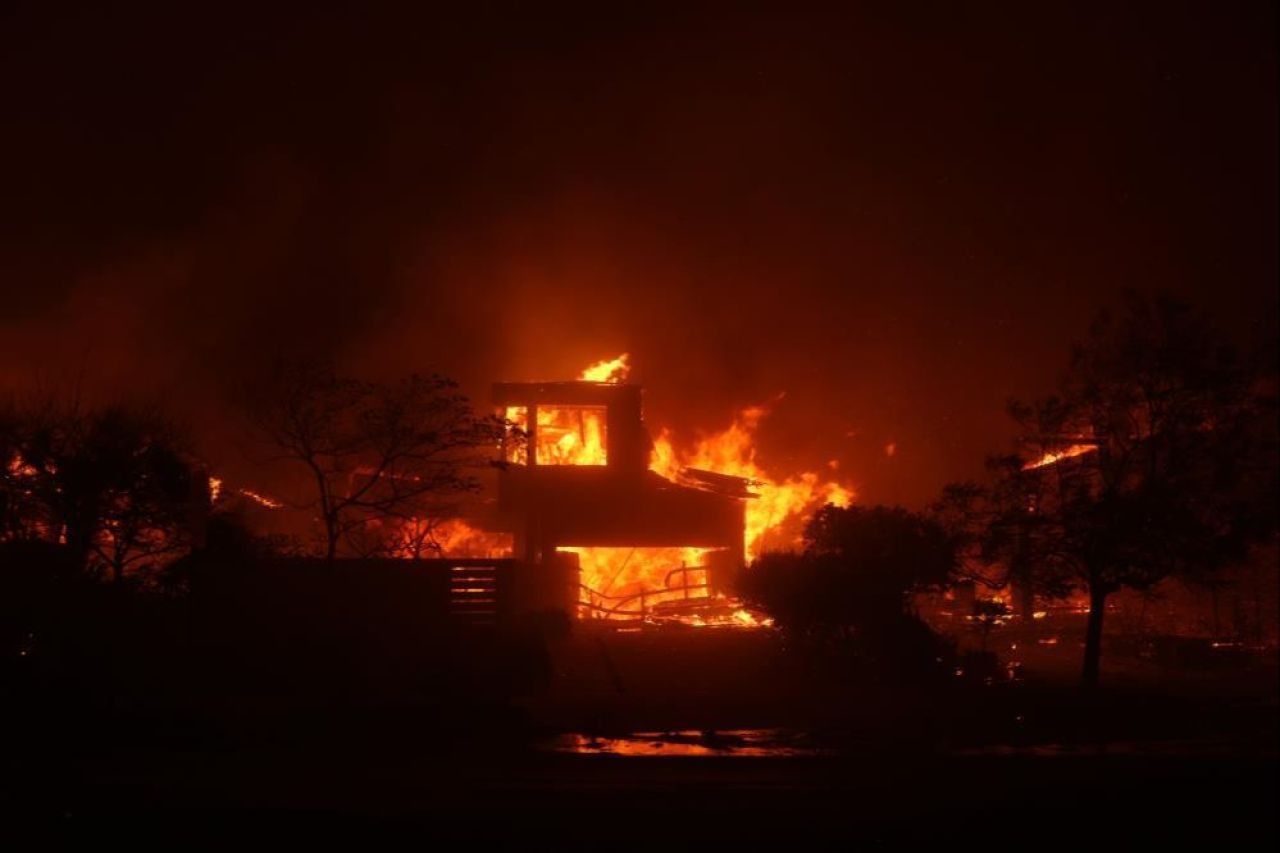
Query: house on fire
{"points": [[575, 482], [574, 520]]}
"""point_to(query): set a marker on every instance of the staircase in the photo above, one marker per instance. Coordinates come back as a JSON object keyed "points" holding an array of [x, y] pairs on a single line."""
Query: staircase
{"points": [[473, 594]]}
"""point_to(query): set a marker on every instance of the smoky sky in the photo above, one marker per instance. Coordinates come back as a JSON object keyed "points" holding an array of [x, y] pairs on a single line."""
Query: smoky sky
{"points": [[883, 219]]}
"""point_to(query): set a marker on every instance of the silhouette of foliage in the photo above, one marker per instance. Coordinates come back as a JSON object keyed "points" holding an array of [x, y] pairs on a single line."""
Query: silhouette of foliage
{"points": [[1156, 457], [855, 579], [114, 484], [377, 456]]}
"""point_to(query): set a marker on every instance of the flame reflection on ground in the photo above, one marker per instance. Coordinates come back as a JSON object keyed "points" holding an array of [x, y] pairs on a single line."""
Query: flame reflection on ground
{"points": [[736, 743]]}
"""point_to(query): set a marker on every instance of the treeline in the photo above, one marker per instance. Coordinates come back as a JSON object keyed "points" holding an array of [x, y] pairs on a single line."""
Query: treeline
{"points": [[115, 487], [1155, 457], [374, 466], [129, 610]]}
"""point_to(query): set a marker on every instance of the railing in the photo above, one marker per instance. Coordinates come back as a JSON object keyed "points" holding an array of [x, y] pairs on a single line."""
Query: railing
{"points": [[617, 604]]}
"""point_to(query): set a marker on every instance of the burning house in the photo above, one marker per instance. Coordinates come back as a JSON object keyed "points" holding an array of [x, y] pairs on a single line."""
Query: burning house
{"points": [[598, 517], [586, 512], [577, 493]]}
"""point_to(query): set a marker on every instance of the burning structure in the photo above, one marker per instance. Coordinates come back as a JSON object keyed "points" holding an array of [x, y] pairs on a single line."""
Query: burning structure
{"points": [[577, 493], [600, 518], [588, 513]]}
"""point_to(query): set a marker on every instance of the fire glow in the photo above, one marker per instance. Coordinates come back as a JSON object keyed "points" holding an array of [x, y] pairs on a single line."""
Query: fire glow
{"points": [[568, 435], [732, 452], [773, 518], [629, 582], [630, 579]]}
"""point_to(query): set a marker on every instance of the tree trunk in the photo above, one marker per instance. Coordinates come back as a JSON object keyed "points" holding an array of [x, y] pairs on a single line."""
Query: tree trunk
{"points": [[1093, 635]]}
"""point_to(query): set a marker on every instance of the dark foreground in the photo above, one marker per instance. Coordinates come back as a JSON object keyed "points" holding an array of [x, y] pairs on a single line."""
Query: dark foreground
{"points": [[992, 801], [1158, 756]]}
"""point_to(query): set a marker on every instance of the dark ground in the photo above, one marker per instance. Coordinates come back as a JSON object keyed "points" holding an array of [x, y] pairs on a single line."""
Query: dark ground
{"points": [[1157, 755]]}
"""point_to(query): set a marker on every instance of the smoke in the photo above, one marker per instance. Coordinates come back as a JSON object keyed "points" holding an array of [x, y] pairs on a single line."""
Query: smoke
{"points": [[880, 229]]}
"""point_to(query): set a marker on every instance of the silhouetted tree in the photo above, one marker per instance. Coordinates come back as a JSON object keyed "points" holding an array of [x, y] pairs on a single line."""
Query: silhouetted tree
{"points": [[113, 484], [892, 552], [25, 512], [1000, 538], [1155, 458], [417, 538], [855, 578], [377, 455], [11, 487]]}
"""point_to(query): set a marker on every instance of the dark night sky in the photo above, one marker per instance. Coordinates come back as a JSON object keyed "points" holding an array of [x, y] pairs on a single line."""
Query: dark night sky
{"points": [[900, 220]]}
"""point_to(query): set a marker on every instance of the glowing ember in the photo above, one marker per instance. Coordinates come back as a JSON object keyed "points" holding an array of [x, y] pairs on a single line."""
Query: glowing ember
{"points": [[1070, 452], [218, 490], [260, 499], [747, 619], [19, 467]]}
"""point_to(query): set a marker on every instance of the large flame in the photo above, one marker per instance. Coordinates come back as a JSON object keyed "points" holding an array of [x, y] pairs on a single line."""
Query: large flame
{"points": [[627, 582], [430, 538], [774, 519], [623, 581], [569, 435], [566, 435], [610, 370]]}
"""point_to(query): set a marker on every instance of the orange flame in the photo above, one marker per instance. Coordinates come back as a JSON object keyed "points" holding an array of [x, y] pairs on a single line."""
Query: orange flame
{"points": [[624, 581], [260, 499], [611, 370], [19, 467], [455, 538], [566, 435], [218, 490], [627, 582], [775, 518], [1070, 452]]}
